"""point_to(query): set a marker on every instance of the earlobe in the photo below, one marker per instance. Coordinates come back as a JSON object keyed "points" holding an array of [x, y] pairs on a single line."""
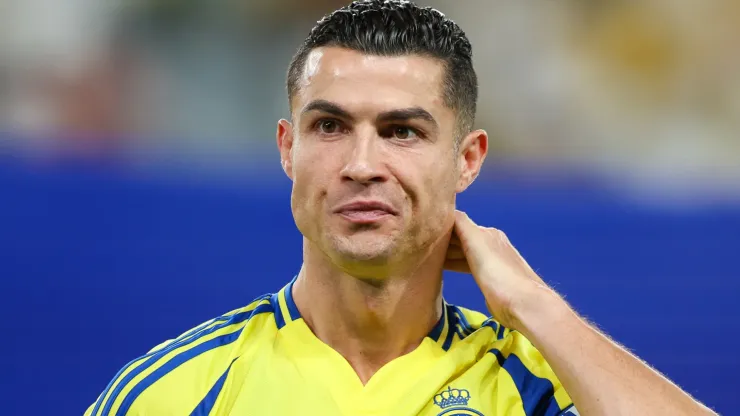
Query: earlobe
{"points": [[473, 151], [463, 180]]}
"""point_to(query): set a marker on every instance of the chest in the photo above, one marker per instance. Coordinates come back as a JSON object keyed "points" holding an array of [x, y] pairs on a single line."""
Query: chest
{"points": [[445, 386]]}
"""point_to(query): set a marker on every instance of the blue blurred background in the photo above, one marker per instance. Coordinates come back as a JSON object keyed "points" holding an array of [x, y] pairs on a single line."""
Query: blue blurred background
{"points": [[141, 193]]}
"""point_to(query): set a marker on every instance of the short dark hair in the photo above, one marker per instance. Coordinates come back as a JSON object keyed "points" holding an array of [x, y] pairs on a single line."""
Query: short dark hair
{"points": [[393, 28]]}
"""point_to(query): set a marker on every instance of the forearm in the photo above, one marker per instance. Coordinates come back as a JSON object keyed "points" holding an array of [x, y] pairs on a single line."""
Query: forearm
{"points": [[601, 377]]}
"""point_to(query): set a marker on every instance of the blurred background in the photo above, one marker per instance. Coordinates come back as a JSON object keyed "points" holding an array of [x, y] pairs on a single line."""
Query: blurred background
{"points": [[141, 193]]}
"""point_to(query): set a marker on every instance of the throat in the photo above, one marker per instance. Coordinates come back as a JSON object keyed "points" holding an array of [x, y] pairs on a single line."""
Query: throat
{"points": [[367, 356], [369, 323], [372, 326], [372, 335]]}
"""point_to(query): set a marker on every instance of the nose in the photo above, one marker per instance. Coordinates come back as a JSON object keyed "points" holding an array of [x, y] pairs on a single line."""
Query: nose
{"points": [[364, 163]]}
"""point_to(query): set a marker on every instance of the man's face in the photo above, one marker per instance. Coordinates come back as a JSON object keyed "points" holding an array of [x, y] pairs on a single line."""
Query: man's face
{"points": [[372, 158]]}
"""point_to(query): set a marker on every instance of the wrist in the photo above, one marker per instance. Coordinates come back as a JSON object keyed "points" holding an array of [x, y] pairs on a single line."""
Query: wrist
{"points": [[539, 310]]}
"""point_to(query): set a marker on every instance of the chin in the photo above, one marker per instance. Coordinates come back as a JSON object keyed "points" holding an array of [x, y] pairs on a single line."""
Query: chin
{"points": [[362, 250]]}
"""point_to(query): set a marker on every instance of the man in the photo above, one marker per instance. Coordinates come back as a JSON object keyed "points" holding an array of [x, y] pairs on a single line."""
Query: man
{"points": [[383, 96]]}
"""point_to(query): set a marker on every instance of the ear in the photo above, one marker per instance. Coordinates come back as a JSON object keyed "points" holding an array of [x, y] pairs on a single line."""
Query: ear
{"points": [[472, 152], [284, 137]]}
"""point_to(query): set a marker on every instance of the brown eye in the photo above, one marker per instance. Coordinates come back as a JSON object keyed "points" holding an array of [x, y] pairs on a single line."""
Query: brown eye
{"points": [[328, 126], [404, 133]]}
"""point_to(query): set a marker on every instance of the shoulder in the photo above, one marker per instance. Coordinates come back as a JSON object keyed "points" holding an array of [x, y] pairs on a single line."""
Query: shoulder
{"points": [[234, 322], [470, 319], [518, 364], [490, 337], [476, 327], [192, 361], [482, 329]]}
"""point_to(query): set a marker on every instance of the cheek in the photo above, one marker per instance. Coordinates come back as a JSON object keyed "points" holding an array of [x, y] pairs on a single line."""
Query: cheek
{"points": [[303, 198], [439, 199], [439, 183], [310, 176], [430, 187], [302, 182]]}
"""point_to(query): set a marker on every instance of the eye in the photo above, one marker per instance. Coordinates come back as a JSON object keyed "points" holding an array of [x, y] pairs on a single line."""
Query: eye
{"points": [[328, 126], [402, 133]]}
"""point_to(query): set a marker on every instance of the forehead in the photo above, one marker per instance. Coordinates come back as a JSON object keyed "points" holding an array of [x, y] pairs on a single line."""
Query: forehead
{"points": [[362, 82]]}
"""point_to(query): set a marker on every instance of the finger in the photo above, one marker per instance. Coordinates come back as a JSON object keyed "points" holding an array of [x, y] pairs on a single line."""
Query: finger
{"points": [[503, 240], [461, 216], [465, 228], [460, 266]]}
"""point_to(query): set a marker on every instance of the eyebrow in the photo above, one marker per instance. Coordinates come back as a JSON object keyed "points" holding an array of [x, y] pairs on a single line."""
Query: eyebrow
{"points": [[327, 107], [403, 114]]}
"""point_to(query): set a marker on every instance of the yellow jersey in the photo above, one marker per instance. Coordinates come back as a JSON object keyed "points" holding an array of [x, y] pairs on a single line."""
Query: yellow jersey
{"points": [[264, 360]]}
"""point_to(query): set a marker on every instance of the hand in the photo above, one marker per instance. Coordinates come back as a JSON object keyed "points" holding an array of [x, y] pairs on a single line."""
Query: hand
{"points": [[505, 278]]}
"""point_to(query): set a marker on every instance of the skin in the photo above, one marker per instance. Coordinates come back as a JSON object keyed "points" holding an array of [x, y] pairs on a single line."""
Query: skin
{"points": [[600, 376], [376, 128], [351, 139]]}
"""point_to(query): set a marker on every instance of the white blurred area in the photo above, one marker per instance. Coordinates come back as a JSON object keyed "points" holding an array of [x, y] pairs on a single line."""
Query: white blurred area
{"points": [[645, 91]]}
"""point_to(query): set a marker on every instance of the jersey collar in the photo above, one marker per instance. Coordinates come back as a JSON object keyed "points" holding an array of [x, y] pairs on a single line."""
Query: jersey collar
{"points": [[286, 312]]}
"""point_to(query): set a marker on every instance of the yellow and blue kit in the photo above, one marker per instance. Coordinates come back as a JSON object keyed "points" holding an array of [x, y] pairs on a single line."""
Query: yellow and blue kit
{"points": [[264, 360]]}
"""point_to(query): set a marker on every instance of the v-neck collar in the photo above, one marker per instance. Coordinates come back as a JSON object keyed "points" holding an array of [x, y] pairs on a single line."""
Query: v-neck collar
{"points": [[286, 312], [326, 367]]}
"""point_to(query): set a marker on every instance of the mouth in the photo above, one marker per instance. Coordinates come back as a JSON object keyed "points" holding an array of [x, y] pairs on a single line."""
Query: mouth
{"points": [[365, 212]]}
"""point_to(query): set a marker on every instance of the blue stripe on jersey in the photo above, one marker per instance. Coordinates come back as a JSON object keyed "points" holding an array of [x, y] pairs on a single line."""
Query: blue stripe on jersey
{"points": [[467, 328], [154, 356], [553, 408], [458, 325], [275, 302], [172, 364], [498, 329], [536, 393], [221, 318], [181, 340], [436, 332], [501, 331], [292, 308], [451, 323], [491, 324], [206, 405], [499, 357]]}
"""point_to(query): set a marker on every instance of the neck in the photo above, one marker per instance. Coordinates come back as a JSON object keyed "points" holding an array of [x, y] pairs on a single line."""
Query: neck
{"points": [[369, 323]]}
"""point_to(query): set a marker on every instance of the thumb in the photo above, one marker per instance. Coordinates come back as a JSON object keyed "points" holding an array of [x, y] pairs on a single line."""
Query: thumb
{"points": [[467, 231], [463, 224]]}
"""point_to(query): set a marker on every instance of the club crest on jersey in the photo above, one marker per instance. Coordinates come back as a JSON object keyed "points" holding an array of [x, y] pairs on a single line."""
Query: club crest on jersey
{"points": [[454, 402]]}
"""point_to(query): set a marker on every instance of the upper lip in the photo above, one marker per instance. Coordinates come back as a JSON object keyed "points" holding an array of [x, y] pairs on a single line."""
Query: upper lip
{"points": [[366, 206]]}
